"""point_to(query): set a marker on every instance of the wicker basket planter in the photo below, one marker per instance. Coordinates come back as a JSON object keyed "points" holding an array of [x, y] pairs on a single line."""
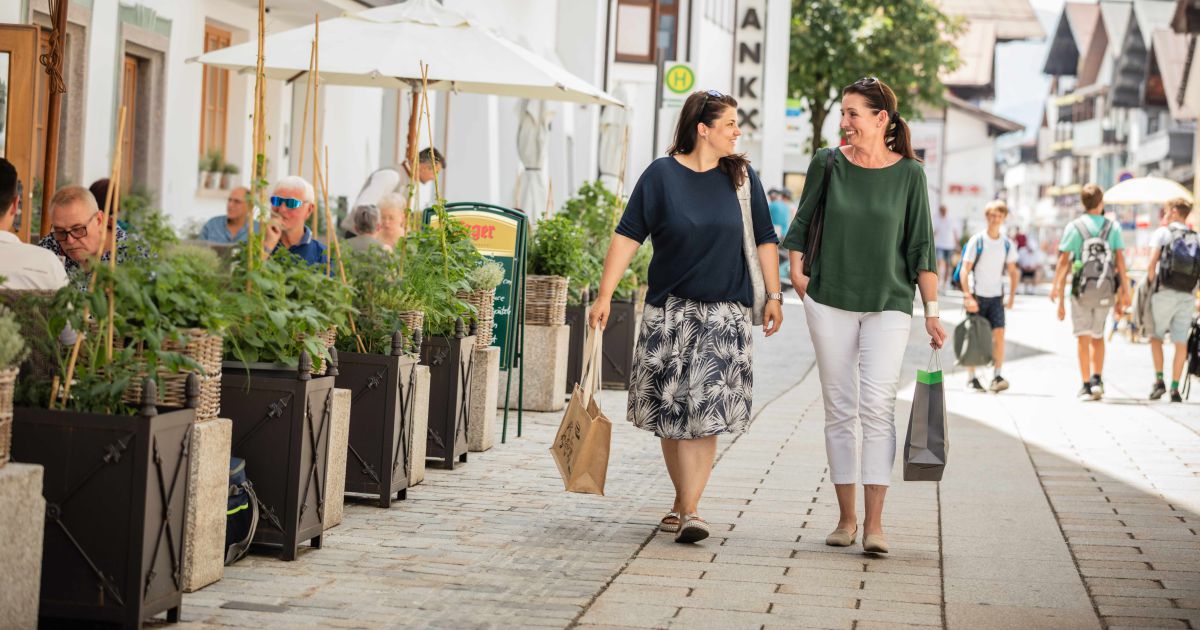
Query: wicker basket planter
{"points": [[383, 386], [116, 498], [413, 321], [329, 337], [484, 303], [545, 300], [8, 378], [204, 349]]}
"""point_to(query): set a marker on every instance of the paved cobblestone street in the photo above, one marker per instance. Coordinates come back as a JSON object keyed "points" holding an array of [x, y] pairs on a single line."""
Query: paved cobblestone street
{"points": [[1053, 514]]}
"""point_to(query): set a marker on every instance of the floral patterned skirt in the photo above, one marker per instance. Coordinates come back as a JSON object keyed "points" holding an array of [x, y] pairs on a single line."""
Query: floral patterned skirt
{"points": [[692, 374]]}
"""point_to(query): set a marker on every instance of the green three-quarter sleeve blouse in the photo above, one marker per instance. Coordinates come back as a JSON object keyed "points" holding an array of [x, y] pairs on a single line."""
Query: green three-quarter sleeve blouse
{"points": [[878, 234]]}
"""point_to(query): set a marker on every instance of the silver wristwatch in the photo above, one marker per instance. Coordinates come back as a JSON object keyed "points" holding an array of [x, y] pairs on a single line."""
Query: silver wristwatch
{"points": [[777, 296]]}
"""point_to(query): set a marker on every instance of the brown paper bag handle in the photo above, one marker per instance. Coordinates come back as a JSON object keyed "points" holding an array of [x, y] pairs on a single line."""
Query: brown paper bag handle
{"points": [[593, 354]]}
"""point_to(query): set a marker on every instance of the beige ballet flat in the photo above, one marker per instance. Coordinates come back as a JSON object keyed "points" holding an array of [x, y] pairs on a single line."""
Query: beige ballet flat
{"points": [[841, 537], [874, 543]]}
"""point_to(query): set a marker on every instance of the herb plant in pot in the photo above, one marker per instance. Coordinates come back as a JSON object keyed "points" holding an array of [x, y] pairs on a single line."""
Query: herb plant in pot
{"points": [[12, 352], [439, 258], [280, 407], [558, 250], [378, 365]]}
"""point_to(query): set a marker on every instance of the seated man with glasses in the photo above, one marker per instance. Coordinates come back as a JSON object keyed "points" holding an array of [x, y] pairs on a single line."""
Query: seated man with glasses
{"points": [[291, 205], [75, 235]]}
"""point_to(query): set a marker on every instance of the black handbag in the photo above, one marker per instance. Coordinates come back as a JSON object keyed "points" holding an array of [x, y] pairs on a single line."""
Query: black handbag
{"points": [[812, 245]]}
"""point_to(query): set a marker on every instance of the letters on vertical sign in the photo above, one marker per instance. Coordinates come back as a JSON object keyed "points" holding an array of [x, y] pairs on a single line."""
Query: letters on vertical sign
{"points": [[748, 63]]}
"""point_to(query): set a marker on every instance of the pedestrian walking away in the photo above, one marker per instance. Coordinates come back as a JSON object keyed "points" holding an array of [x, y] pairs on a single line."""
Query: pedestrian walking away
{"points": [[990, 256], [858, 245], [945, 240], [692, 374], [1091, 251], [1173, 273]]}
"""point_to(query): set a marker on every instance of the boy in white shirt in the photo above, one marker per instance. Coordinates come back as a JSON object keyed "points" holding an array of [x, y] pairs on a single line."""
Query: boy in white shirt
{"points": [[1173, 273], [989, 256]]}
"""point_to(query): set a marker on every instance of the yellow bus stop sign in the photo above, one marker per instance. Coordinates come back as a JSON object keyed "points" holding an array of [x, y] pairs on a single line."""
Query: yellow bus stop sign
{"points": [[679, 79]]}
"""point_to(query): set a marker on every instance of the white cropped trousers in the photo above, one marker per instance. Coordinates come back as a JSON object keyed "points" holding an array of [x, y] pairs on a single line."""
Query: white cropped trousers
{"points": [[859, 356]]}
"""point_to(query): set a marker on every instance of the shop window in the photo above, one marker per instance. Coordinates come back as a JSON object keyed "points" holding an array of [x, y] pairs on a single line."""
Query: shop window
{"points": [[214, 111], [644, 24]]}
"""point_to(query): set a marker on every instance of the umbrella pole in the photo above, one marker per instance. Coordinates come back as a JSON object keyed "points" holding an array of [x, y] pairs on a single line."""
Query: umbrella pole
{"points": [[259, 168], [316, 86], [53, 63]]}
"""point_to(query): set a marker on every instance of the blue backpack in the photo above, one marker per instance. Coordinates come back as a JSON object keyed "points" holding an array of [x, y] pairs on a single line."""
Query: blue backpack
{"points": [[956, 277]]}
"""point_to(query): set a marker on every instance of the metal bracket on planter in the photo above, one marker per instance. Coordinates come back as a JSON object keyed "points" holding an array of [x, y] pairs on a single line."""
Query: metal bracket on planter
{"points": [[315, 433], [165, 526], [407, 401]]}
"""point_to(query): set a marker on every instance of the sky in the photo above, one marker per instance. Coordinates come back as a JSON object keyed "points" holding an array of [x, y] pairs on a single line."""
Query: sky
{"points": [[1021, 88]]}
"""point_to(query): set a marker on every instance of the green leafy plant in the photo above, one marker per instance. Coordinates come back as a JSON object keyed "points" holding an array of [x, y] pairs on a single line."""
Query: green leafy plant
{"points": [[558, 247], [597, 210], [379, 298], [212, 161], [12, 345], [229, 168], [486, 276], [437, 260], [146, 221]]}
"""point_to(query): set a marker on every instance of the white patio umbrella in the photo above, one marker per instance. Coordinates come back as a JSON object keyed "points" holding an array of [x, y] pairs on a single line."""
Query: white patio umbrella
{"points": [[1139, 190], [613, 124], [383, 47], [532, 134]]}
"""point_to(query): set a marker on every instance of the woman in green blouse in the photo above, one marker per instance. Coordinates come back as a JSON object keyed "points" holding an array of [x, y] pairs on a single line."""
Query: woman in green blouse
{"points": [[876, 245]]}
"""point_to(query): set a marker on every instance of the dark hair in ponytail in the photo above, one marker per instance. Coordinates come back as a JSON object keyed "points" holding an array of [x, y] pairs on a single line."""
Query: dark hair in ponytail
{"points": [[706, 106], [881, 98]]}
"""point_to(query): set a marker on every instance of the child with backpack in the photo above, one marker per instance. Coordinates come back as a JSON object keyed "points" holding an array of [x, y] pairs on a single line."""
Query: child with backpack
{"points": [[987, 258], [1173, 274], [1091, 251]]}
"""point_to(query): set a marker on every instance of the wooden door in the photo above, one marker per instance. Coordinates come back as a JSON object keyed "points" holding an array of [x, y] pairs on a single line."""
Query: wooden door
{"points": [[18, 73], [129, 92]]}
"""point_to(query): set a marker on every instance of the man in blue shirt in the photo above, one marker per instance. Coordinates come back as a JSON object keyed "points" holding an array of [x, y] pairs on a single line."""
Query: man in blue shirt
{"points": [[231, 228], [291, 205]]}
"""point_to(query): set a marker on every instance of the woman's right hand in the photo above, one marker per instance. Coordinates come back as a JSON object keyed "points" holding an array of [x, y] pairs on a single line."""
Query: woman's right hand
{"points": [[799, 283], [598, 314]]}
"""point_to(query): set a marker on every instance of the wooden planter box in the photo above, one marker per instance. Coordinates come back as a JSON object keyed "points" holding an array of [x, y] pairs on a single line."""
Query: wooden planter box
{"points": [[382, 389], [619, 338], [281, 424], [450, 361], [577, 320], [116, 496]]}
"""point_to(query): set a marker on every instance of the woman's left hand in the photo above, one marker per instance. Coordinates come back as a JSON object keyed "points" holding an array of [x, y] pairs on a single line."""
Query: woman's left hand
{"points": [[772, 317], [937, 334]]}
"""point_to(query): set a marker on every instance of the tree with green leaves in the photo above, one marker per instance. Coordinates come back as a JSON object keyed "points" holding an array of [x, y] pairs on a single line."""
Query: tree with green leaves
{"points": [[908, 44]]}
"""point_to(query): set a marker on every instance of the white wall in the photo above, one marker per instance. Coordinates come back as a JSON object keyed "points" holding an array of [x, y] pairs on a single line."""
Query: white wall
{"points": [[969, 161]]}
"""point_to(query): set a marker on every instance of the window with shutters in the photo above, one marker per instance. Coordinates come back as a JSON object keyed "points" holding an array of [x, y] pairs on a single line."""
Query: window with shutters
{"points": [[214, 111]]}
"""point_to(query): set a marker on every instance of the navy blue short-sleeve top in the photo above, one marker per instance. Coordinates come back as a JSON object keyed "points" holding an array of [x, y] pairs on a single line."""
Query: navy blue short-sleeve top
{"points": [[694, 221]]}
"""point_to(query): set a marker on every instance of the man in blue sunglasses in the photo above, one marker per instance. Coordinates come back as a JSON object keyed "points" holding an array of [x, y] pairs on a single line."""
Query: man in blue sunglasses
{"points": [[291, 205]]}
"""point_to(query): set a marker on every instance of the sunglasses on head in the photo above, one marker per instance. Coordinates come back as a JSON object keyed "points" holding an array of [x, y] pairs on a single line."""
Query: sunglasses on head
{"points": [[869, 81], [288, 202], [704, 103]]}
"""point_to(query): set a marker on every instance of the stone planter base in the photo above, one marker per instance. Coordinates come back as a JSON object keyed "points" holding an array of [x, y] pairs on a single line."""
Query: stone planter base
{"points": [[485, 387], [339, 443], [420, 426], [22, 514], [545, 369], [208, 487]]}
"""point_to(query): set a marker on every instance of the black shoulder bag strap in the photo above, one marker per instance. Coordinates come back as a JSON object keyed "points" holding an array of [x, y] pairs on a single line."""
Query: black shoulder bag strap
{"points": [[812, 248]]}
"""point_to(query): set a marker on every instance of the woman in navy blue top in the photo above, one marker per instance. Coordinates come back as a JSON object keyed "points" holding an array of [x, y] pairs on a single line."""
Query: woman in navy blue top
{"points": [[692, 377]]}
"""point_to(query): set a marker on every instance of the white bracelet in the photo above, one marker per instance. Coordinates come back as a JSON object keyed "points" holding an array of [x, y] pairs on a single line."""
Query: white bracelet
{"points": [[932, 310]]}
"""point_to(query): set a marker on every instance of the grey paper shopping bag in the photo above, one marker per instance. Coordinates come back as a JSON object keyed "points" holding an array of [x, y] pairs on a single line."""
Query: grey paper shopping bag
{"points": [[927, 442]]}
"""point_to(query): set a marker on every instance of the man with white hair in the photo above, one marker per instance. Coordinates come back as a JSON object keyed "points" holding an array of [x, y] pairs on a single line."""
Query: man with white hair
{"points": [[291, 205]]}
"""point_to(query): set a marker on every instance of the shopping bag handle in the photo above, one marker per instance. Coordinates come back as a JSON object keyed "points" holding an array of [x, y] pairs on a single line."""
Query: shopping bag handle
{"points": [[935, 361], [593, 354]]}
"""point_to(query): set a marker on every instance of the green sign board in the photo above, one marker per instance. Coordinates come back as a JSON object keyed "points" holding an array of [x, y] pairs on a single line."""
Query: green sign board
{"points": [[498, 234]]}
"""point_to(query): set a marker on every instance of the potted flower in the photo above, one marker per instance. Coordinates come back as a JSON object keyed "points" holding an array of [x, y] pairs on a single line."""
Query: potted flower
{"points": [[483, 281], [438, 259], [229, 173], [211, 167], [377, 363], [557, 252]]}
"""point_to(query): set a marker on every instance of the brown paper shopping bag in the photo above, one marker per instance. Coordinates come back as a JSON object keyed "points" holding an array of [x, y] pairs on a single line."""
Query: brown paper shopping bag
{"points": [[581, 446]]}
